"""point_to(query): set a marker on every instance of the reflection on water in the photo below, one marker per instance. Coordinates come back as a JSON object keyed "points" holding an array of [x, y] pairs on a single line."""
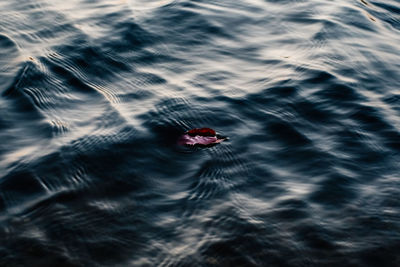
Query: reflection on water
{"points": [[94, 95], [151, 4]]}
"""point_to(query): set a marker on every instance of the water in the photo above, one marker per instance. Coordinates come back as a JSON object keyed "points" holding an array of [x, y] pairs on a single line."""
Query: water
{"points": [[94, 95]]}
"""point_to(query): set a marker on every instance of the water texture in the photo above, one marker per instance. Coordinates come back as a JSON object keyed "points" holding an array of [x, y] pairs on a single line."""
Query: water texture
{"points": [[95, 93]]}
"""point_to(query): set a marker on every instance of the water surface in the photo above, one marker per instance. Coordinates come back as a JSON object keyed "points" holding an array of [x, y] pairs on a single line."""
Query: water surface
{"points": [[94, 94]]}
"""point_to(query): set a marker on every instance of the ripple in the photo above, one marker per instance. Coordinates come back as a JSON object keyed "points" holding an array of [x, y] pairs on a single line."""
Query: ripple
{"points": [[152, 4], [9, 56]]}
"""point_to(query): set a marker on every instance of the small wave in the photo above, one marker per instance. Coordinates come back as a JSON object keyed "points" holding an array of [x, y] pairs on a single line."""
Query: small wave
{"points": [[148, 5]]}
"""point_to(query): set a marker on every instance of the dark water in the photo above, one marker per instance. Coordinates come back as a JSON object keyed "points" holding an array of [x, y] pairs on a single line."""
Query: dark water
{"points": [[93, 95]]}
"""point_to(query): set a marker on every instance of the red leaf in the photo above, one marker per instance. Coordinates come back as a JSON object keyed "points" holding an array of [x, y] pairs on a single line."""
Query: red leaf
{"points": [[202, 132]]}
